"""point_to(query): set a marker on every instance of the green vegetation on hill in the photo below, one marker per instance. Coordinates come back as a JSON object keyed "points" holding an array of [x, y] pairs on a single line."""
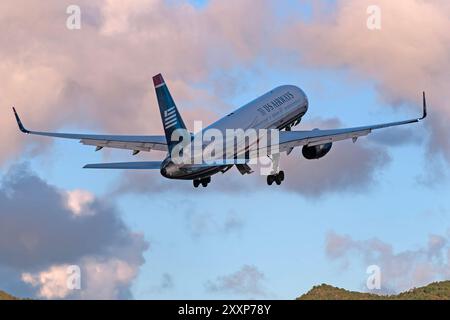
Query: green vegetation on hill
{"points": [[433, 291], [6, 296]]}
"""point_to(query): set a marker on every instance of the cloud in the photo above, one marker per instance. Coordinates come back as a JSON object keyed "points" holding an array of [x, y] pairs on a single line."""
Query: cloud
{"points": [[401, 136], [409, 54], [247, 281], [40, 235], [118, 16], [100, 76], [107, 278], [400, 271], [79, 200], [52, 283], [347, 167], [104, 279]]}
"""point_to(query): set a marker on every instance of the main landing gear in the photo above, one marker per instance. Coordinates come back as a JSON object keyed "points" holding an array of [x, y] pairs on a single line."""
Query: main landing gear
{"points": [[204, 182], [278, 178], [276, 175]]}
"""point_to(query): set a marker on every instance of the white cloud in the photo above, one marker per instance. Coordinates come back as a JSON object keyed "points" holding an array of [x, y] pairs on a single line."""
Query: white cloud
{"points": [[103, 279], [78, 201], [100, 279], [51, 283], [401, 270], [39, 239]]}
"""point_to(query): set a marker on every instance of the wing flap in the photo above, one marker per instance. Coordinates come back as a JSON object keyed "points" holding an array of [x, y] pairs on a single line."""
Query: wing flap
{"points": [[155, 144], [292, 139]]}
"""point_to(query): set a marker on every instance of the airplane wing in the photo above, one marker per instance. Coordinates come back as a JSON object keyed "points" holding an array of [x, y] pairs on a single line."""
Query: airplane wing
{"points": [[135, 143], [292, 139]]}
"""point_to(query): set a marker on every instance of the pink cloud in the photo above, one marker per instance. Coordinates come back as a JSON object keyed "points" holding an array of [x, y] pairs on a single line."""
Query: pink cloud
{"points": [[409, 54], [100, 76]]}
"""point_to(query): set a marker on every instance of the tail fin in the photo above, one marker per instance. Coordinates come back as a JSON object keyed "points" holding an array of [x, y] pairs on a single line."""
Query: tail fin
{"points": [[170, 116]]}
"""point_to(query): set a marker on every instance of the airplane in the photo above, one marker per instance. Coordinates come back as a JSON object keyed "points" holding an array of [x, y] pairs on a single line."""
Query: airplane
{"points": [[280, 109]]}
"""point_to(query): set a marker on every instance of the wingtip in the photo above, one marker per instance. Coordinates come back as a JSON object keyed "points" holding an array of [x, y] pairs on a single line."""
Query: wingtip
{"points": [[19, 122], [424, 115], [15, 113]]}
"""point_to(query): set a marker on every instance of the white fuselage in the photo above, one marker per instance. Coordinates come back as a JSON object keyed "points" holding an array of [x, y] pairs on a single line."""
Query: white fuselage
{"points": [[276, 109]]}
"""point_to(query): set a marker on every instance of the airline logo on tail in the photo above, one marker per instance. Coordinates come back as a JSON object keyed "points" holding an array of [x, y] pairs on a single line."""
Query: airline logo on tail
{"points": [[170, 118]]}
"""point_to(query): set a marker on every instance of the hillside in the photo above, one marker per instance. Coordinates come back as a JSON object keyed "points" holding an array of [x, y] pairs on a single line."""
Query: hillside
{"points": [[6, 296], [433, 291]]}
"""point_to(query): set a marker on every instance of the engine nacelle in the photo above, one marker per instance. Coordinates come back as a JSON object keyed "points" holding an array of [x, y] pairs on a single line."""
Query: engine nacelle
{"points": [[316, 152]]}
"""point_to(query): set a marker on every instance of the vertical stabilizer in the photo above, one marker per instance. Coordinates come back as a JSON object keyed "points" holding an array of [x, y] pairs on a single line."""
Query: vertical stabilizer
{"points": [[170, 116]]}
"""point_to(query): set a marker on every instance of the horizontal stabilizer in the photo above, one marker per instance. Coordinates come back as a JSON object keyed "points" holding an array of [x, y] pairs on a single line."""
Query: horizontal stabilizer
{"points": [[126, 165]]}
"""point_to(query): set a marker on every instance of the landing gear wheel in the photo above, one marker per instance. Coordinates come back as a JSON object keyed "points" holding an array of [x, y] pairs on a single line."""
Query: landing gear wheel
{"points": [[277, 179], [204, 183], [281, 176], [196, 183]]}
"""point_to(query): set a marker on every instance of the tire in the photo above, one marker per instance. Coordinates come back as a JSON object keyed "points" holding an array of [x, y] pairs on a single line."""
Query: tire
{"points": [[196, 183], [277, 180], [204, 183], [281, 176], [270, 179]]}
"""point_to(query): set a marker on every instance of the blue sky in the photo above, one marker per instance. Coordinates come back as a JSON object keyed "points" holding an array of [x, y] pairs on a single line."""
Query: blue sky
{"points": [[280, 232]]}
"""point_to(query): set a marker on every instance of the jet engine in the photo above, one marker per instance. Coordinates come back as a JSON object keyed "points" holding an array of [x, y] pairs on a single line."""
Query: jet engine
{"points": [[316, 152]]}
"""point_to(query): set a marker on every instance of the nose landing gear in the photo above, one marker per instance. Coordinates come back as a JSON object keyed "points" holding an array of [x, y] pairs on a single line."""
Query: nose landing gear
{"points": [[204, 182]]}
